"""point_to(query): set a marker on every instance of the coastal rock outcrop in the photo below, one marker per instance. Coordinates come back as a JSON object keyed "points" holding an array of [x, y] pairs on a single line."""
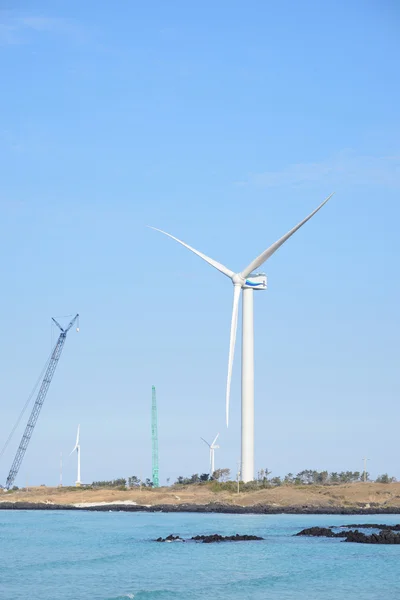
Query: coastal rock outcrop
{"points": [[372, 526], [383, 537], [386, 535], [211, 539], [216, 538], [321, 532], [170, 538]]}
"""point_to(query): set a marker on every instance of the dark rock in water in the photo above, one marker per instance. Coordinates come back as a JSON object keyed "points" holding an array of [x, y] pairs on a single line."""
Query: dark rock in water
{"points": [[216, 538], [170, 538], [210, 539], [372, 526], [321, 532], [383, 537]]}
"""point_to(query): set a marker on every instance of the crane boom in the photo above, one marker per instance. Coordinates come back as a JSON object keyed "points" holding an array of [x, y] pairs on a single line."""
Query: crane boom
{"points": [[55, 357]]}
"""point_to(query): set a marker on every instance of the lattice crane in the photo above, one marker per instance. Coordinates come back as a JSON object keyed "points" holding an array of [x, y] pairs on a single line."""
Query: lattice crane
{"points": [[44, 388]]}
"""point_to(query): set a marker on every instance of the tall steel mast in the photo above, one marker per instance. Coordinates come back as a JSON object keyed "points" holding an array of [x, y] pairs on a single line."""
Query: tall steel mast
{"points": [[55, 357], [154, 438]]}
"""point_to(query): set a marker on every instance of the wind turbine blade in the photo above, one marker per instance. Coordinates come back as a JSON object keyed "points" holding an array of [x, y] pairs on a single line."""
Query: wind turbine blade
{"points": [[73, 451], [236, 295], [270, 251], [205, 442], [210, 261], [77, 437], [216, 437]]}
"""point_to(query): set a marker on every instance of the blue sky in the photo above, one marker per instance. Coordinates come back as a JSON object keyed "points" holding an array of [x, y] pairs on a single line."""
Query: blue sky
{"points": [[224, 124]]}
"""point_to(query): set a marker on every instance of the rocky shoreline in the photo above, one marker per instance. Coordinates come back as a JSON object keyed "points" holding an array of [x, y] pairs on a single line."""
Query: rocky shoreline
{"points": [[258, 509]]}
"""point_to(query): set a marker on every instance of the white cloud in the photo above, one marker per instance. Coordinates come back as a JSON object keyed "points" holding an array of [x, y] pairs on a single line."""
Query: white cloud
{"points": [[347, 167], [14, 29]]}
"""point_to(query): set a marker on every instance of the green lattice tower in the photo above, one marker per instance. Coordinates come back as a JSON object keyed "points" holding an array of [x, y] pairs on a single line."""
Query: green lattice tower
{"points": [[154, 438]]}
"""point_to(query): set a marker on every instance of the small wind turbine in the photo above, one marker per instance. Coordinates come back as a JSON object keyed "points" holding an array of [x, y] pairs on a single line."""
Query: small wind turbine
{"points": [[77, 447], [212, 447]]}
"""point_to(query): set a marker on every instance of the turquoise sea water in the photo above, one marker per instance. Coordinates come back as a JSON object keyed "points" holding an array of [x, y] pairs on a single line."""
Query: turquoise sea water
{"points": [[64, 555]]}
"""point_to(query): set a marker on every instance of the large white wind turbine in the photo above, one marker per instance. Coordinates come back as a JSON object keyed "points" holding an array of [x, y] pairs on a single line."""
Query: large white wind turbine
{"points": [[77, 447], [212, 447], [247, 281]]}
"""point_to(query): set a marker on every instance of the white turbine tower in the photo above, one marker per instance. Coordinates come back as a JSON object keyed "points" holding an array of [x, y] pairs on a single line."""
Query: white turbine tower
{"points": [[77, 447], [247, 281], [212, 447]]}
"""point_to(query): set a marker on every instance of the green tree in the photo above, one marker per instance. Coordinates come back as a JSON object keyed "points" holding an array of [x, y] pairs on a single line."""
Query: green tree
{"points": [[306, 476], [276, 481], [222, 474], [321, 477], [385, 479], [267, 473], [134, 481], [121, 482]]}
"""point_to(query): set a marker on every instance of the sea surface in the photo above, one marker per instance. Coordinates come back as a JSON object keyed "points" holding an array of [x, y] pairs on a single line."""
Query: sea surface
{"points": [[66, 555]]}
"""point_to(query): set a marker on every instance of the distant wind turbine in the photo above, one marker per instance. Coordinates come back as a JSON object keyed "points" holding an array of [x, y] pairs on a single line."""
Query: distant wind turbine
{"points": [[212, 447], [248, 281], [77, 447]]}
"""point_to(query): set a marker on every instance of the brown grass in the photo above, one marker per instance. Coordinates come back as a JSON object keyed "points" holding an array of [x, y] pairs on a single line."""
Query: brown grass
{"points": [[345, 495]]}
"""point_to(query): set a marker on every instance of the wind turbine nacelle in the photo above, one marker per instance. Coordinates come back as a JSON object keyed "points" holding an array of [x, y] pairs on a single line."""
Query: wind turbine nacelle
{"points": [[256, 282]]}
